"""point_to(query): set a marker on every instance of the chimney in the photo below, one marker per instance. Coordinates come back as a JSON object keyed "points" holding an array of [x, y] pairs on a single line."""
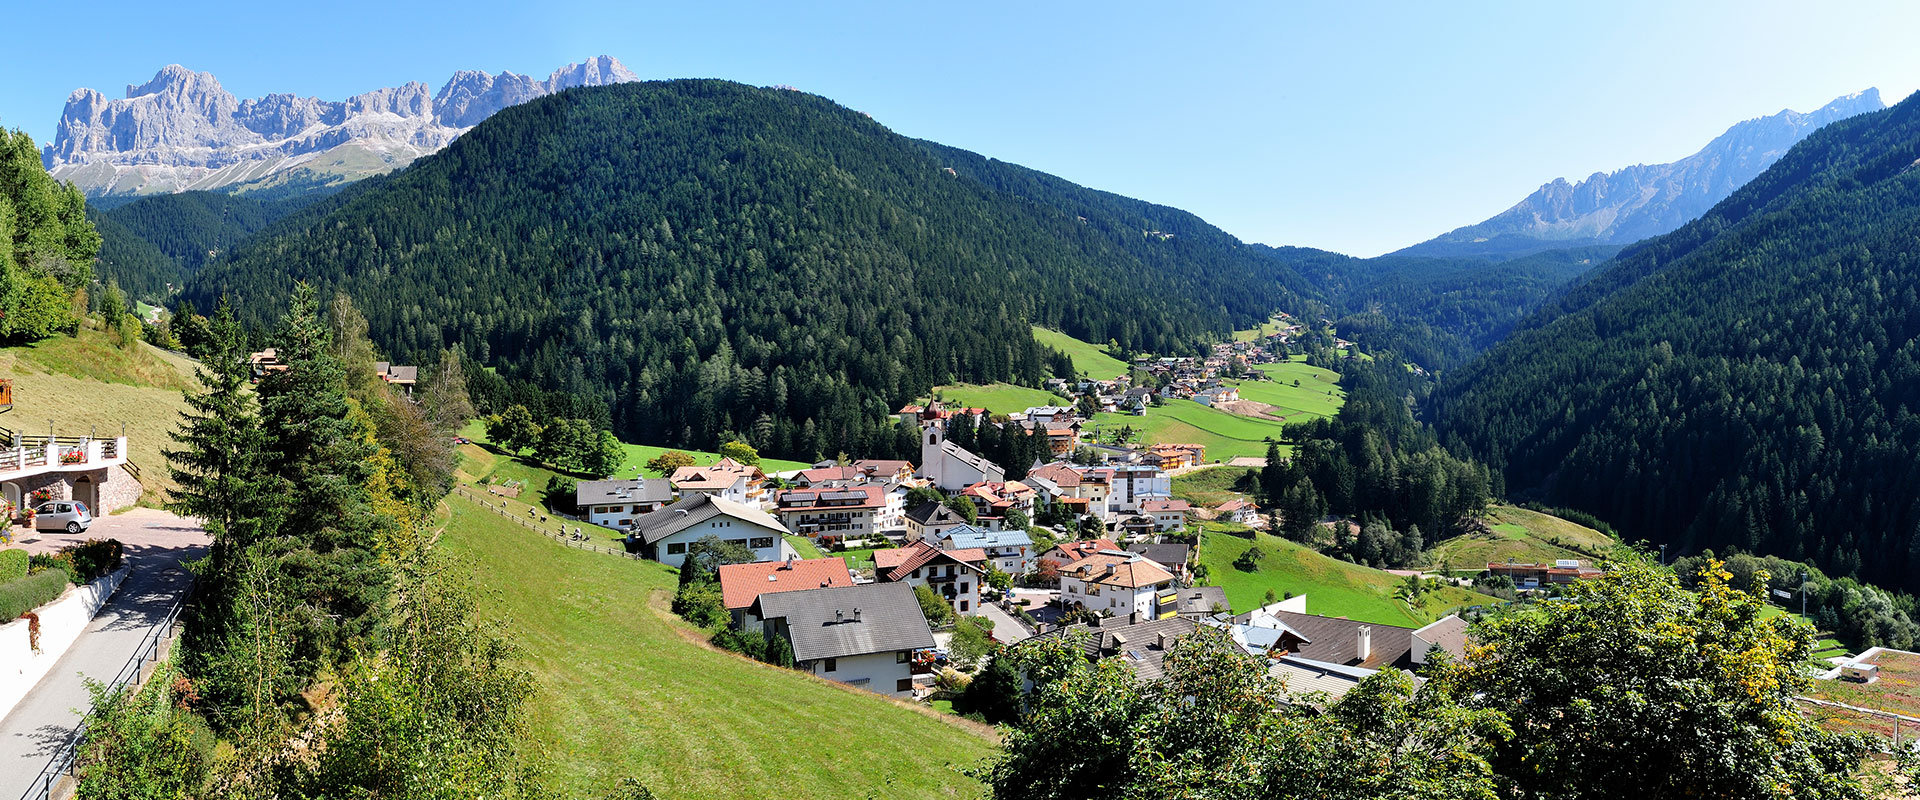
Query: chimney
{"points": [[789, 564], [1161, 640], [856, 613], [839, 616], [1364, 647]]}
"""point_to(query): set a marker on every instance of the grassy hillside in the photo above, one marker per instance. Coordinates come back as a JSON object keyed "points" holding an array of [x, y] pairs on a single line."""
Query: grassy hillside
{"points": [[1267, 328], [1207, 488], [999, 398], [1319, 393], [87, 384], [627, 688], [1225, 435], [1521, 535], [1089, 359], [637, 457], [1333, 588]]}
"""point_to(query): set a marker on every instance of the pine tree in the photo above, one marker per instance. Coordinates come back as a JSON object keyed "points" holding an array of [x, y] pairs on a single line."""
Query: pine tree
{"points": [[217, 467]]}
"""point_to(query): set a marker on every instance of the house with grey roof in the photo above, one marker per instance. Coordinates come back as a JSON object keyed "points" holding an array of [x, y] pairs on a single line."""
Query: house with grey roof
{"points": [[1010, 551], [665, 534], [863, 635], [616, 504]]}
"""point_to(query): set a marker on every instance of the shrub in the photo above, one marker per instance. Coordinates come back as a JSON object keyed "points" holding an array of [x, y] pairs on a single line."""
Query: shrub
{"points": [[25, 594], [700, 603], [1248, 561], [13, 565], [85, 561]]}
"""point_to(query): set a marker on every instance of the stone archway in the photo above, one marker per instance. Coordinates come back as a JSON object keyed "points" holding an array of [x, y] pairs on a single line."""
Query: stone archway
{"points": [[86, 491]]}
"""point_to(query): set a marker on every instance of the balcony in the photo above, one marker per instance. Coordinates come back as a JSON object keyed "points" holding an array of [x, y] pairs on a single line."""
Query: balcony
{"points": [[40, 454]]}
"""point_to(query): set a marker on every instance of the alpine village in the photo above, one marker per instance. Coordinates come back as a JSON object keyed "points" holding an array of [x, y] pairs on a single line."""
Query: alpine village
{"points": [[602, 436]]}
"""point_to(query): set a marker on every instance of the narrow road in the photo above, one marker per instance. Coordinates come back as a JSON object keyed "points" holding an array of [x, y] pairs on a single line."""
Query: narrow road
{"points": [[156, 543]]}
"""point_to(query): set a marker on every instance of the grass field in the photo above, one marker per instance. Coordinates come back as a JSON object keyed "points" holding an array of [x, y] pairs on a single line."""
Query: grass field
{"points": [[639, 454], [999, 398], [1897, 691], [1827, 647], [87, 385], [1208, 487], [1269, 327], [1184, 421], [1333, 588], [1522, 535], [628, 689], [1318, 395], [1089, 359]]}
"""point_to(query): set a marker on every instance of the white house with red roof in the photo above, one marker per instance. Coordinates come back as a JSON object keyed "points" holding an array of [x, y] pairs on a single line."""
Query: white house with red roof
{"points": [[1119, 583], [1168, 514], [953, 574]]}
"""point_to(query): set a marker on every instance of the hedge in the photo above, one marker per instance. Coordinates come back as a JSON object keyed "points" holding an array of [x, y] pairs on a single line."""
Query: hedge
{"points": [[25, 594], [13, 565]]}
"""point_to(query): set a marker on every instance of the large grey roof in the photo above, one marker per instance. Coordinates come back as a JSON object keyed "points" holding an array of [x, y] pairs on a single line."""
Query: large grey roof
{"points": [[695, 509], [1137, 644], [632, 490], [822, 624]]}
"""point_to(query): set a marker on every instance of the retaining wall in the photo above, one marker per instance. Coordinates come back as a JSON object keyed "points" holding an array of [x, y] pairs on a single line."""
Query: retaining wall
{"points": [[61, 623]]}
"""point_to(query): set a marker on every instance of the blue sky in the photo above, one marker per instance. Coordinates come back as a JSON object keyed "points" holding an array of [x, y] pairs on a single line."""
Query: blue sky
{"points": [[1356, 127]]}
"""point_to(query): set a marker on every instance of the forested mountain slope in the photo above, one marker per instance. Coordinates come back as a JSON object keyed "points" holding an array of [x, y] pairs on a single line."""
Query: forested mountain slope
{"points": [[164, 239], [1752, 379], [707, 256]]}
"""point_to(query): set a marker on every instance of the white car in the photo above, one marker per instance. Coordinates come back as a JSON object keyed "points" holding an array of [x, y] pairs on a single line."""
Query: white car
{"points": [[71, 516]]}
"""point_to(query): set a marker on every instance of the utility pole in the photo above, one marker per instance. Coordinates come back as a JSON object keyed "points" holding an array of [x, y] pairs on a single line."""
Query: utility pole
{"points": [[1803, 594], [1663, 555]]}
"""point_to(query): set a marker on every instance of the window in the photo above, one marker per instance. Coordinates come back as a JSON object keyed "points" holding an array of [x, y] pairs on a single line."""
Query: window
{"points": [[903, 685], [900, 657], [761, 542], [963, 605], [963, 587], [741, 542], [832, 664], [677, 549], [625, 522]]}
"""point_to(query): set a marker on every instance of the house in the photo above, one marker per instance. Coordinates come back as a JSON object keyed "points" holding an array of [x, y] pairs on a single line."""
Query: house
{"points": [[828, 475], [1350, 643], [950, 466], [1240, 510], [889, 471], [88, 469], [727, 479], [851, 512], [1143, 644], [863, 635], [1136, 400], [1167, 514], [396, 375], [1176, 456], [265, 361], [615, 504], [1204, 601], [665, 534], [1066, 553], [1534, 576], [1010, 551], [1129, 485], [1170, 556], [741, 584], [952, 574], [1119, 583], [929, 520], [999, 497]]}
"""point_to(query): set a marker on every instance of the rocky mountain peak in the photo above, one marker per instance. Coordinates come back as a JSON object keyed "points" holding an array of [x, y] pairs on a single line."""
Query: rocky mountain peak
{"points": [[181, 130]]}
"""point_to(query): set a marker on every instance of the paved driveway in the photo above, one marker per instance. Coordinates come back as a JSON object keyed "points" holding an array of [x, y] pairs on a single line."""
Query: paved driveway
{"points": [[156, 544]]}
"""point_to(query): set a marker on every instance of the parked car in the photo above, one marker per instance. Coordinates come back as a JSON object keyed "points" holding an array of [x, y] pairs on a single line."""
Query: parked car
{"points": [[71, 516]]}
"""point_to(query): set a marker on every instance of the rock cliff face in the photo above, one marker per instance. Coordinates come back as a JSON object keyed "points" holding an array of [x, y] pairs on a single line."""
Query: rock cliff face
{"points": [[1643, 200], [182, 131]]}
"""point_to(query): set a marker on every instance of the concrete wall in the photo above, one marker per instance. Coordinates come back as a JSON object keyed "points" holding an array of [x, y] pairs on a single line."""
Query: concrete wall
{"points": [[61, 623], [879, 673]]}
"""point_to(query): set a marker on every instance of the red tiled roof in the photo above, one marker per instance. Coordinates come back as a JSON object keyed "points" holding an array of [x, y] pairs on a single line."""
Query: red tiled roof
{"points": [[741, 584], [1061, 476], [1130, 571]]}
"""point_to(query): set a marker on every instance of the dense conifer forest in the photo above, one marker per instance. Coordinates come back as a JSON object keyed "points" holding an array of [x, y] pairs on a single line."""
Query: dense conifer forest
{"points": [[160, 240], [706, 257], [1749, 381]]}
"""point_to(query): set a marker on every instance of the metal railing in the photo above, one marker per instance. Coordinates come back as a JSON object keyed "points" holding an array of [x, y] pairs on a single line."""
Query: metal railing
{"points": [[534, 523], [60, 766]]}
